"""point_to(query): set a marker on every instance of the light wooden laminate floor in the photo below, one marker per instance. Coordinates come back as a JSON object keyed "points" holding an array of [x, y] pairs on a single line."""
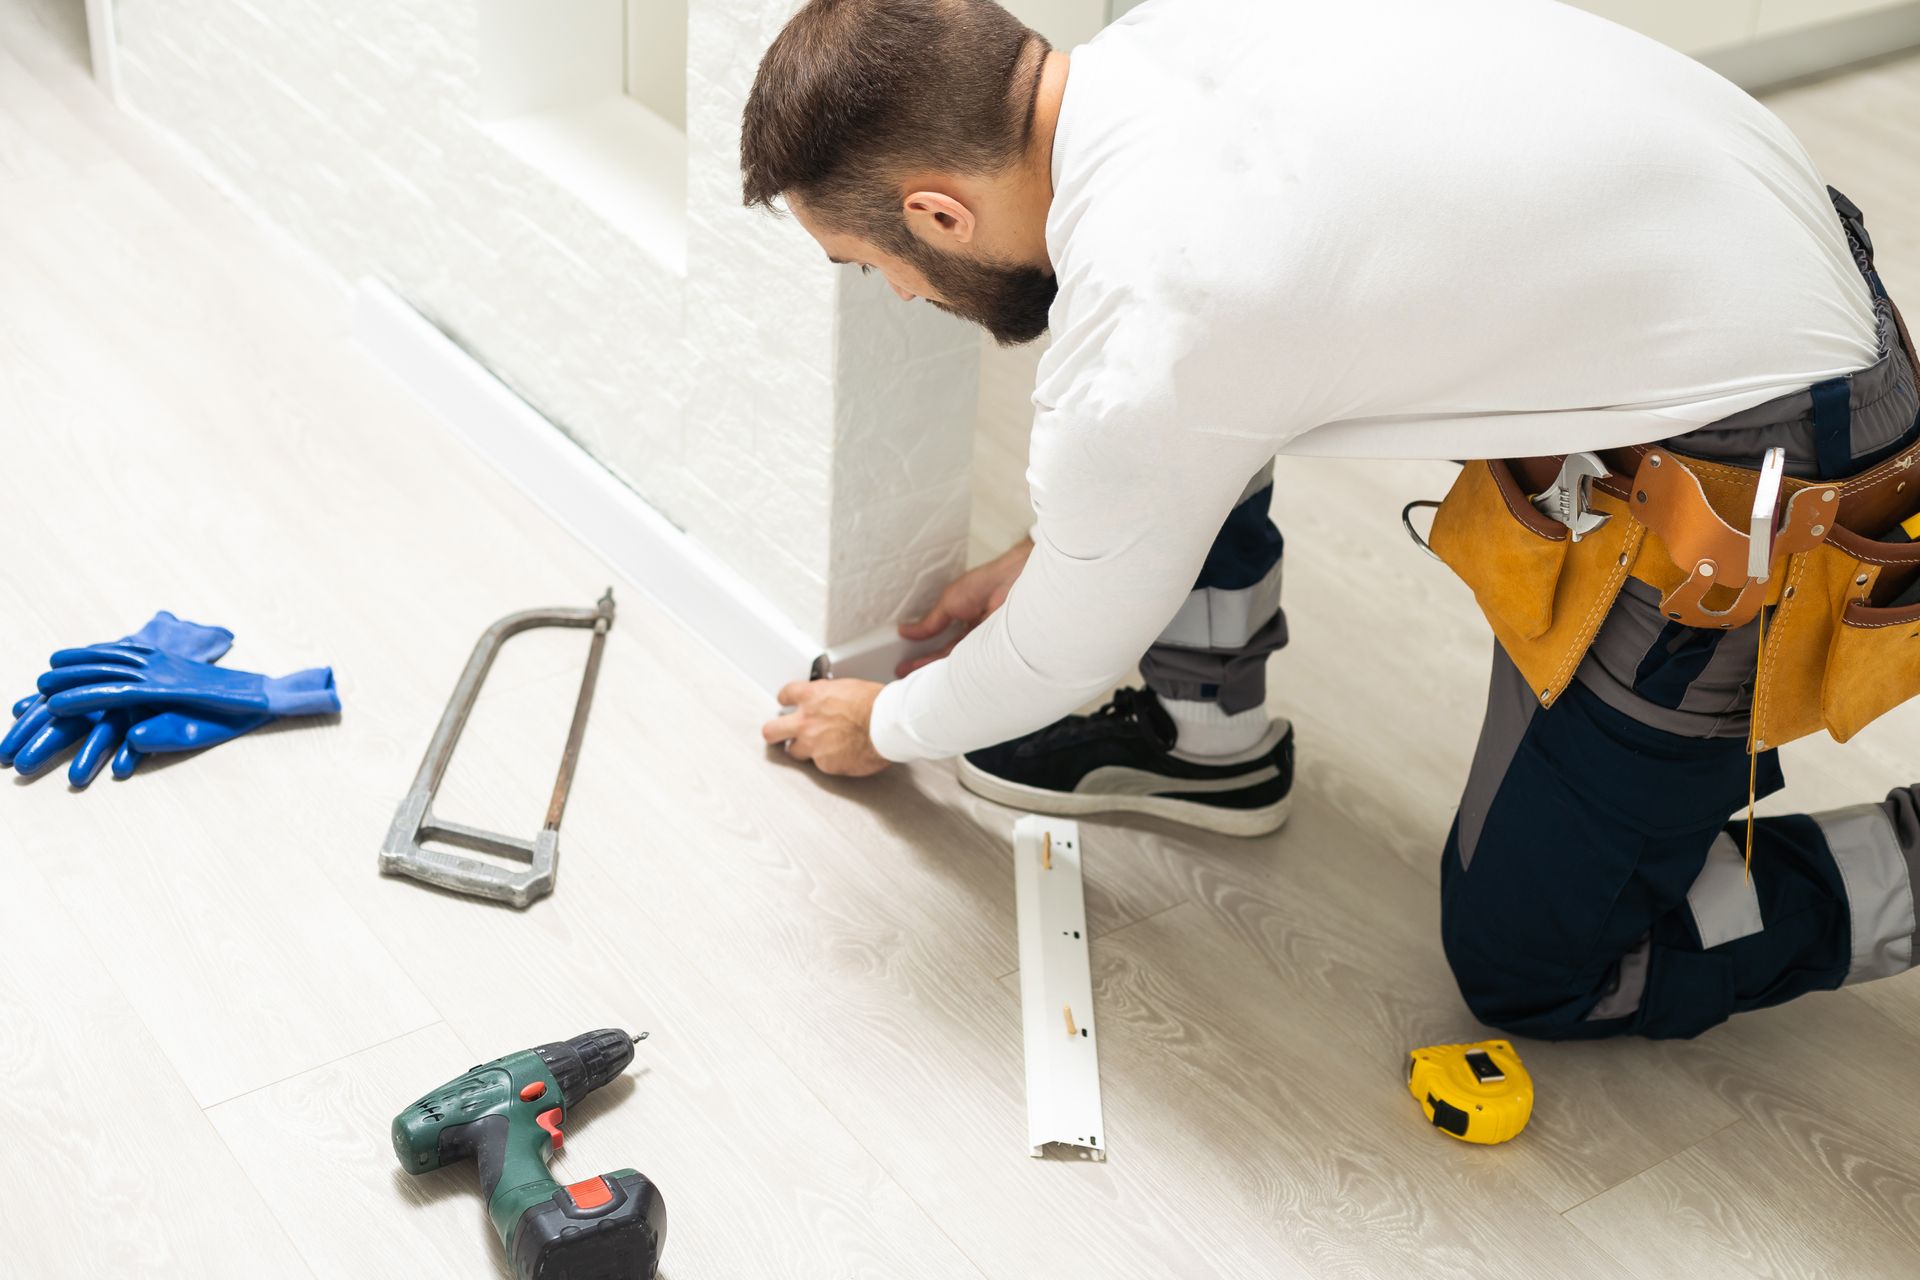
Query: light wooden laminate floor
{"points": [[211, 1005]]}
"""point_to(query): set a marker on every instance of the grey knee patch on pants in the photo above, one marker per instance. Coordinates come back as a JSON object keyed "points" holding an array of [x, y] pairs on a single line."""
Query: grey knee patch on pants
{"points": [[1629, 989], [1878, 874], [1723, 901]]}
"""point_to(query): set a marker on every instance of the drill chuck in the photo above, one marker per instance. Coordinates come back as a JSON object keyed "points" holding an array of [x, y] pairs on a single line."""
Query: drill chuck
{"points": [[587, 1062]]}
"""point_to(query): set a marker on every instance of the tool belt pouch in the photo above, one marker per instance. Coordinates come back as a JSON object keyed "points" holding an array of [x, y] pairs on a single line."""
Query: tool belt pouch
{"points": [[1833, 659], [1866, 657], [1544, 594]]}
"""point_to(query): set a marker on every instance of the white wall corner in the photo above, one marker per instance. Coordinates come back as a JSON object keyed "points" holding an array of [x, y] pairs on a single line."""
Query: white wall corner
{"points": [[842, 417], [758, 326]]}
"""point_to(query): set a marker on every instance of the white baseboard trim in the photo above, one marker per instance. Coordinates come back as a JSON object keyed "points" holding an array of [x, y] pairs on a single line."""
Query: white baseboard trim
{"points": [[876, 655], [103, 51], [1776, 60], [580, 493]]}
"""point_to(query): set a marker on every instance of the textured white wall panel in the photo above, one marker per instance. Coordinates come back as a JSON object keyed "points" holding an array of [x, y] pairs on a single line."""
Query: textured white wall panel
{"points": [[908, 379], [812, 432]]}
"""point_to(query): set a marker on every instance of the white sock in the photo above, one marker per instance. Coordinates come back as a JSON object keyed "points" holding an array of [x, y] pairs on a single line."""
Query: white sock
{"points": [[1203, 729]]}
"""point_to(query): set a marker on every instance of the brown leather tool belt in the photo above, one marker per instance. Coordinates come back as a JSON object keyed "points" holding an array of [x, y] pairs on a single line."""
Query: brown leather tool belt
{"points": [[1834, 654], [1833, 658]]}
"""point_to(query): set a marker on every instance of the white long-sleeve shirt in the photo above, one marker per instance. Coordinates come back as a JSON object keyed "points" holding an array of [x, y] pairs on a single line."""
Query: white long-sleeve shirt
{"points": [[1376, 228]]}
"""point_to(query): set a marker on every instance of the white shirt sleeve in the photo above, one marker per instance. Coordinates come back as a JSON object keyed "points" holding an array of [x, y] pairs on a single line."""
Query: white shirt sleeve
{"points": [[1144, 438], [1126, 513]]}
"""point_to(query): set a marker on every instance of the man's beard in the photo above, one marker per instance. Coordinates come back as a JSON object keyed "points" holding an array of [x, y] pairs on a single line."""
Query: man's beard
{"points": [[1009, 302]]}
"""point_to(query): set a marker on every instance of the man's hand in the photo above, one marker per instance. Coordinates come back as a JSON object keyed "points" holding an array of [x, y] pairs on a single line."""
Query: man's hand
{"points": [[967, 600], [828, 725]]}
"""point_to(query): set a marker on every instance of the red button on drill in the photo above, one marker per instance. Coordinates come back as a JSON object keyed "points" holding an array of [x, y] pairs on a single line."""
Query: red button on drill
{"points": [[594, 1193], [534, 1090], [550, 1121]]}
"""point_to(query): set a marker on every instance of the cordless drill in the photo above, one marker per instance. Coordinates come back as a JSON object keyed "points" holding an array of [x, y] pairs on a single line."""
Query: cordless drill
{"points": [[508, 1114]]}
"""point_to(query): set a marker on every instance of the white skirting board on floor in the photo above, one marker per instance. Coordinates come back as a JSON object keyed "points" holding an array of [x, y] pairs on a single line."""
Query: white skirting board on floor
{"points": [[876, 655], [580, 493], [1056, 988], [103, 49], [1782, 57]]}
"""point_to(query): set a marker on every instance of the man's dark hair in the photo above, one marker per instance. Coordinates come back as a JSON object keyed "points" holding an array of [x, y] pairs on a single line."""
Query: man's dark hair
{"points": [[855, 94]]}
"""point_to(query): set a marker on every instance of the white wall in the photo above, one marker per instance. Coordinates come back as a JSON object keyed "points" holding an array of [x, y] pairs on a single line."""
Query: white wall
{"points": [[766, 402], [1712, 26], [1065, 23], [656, 45]]}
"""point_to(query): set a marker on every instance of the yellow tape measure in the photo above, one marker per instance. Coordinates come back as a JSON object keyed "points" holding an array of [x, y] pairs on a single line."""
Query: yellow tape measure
{"points": [[1476, 1092]]}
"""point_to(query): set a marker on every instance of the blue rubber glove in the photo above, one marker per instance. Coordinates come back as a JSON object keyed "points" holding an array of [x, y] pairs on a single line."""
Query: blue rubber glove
{"points": [[111, 677], [38, 736], [173, 731]]}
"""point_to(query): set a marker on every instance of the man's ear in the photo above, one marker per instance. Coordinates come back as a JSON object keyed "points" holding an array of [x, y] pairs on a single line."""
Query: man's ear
{"points": [[938, 219]]}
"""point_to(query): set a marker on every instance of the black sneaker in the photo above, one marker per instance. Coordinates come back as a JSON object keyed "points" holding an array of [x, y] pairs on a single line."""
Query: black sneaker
{"points": [[1122, 759]]}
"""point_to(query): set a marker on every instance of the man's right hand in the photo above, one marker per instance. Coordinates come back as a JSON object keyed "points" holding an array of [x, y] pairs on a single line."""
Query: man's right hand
{"points": [[967, 600]]}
